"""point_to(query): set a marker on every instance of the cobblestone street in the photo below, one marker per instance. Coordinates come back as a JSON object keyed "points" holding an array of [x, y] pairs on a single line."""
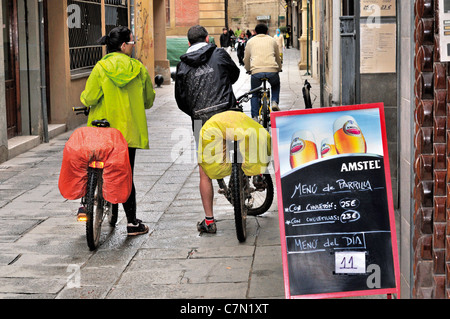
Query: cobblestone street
{"points": [[43, 251]]}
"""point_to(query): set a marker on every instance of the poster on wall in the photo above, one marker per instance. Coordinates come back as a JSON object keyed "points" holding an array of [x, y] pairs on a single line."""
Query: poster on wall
{"points": [[336, 216], [378, 48], [380, 8]]}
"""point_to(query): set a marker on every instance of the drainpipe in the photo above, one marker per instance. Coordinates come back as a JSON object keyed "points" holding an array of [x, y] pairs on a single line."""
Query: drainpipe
{"points": [[226, 14], [307, 37], [27, 50], [42, 59], [322, 55], [336, 53]]}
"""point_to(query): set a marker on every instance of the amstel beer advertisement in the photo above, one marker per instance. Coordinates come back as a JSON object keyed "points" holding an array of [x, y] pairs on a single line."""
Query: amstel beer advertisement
{"points": [[337, 224]]}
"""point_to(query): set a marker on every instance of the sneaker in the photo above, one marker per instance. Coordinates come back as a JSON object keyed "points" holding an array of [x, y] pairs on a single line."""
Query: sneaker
{"points": [[203, 228], [137, 228], [275, 107]]}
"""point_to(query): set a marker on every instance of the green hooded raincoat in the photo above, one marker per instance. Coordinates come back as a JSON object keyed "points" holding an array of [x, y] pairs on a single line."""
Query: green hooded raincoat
{"points": [[119, 89]]}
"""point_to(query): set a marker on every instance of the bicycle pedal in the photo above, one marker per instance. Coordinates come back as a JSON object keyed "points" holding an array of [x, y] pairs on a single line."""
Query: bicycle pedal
{"points": [[221, 191]]}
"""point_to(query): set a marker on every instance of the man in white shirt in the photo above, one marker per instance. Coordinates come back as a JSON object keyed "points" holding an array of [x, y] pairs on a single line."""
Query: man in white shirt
{"points": [[262, 60]]}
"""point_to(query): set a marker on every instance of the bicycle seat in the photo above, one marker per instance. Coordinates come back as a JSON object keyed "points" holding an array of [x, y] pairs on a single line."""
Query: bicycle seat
{"points": [[101, 123]]}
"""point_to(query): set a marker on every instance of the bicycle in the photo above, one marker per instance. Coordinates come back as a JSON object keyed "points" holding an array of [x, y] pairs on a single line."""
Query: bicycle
{"points": [[94, 208], [240, 190]]}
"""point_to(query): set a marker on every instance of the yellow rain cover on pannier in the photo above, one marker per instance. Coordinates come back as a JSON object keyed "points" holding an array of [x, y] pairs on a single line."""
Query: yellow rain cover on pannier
{"points": [[254, 144]]}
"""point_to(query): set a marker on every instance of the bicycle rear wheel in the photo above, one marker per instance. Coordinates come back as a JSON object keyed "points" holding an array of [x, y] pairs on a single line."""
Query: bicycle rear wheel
{"points": [[259, 200], [238, 197], [94, 207]]}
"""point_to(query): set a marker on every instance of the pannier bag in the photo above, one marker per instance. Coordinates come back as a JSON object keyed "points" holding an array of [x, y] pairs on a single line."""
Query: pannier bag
{"points": [[254, 145], [89, 144]]}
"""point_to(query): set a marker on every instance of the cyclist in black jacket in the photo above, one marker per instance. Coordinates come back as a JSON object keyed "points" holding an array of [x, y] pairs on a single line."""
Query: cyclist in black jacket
{"points": [[203, 87]]}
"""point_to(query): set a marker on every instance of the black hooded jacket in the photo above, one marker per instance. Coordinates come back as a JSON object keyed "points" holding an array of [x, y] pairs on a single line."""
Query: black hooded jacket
{"points": [[203, 84]]}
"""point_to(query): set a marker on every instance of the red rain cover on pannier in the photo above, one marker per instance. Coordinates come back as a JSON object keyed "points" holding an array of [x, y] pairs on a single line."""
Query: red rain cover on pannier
{"points": [[100, 144]]}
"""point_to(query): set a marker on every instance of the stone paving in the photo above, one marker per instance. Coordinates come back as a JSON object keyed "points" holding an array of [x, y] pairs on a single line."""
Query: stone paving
{"points": [[43, 250]]}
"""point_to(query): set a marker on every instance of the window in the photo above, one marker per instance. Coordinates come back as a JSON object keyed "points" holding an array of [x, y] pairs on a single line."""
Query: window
{"points": [[168, 13], [84, 33], [348, 7], [86, 25], [116, 13]]}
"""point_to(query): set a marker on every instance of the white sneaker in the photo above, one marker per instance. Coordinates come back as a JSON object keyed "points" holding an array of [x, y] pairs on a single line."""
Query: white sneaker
{"points": [[275, 107]]}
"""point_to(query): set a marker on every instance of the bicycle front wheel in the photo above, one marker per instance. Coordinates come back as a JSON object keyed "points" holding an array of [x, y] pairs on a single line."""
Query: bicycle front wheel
{"points": [[265, 113], [238, 196], [94, 208]]}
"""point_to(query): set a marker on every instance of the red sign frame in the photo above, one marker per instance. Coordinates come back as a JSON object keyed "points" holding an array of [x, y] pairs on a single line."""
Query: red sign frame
{"points": [[274, 120]]}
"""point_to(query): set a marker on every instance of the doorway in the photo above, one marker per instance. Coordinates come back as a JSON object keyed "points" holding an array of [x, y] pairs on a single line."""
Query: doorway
{"points": [[11, 64]]}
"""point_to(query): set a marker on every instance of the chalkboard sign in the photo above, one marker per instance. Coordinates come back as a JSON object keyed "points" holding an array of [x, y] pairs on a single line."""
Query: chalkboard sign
{"points": [[336, 214]]}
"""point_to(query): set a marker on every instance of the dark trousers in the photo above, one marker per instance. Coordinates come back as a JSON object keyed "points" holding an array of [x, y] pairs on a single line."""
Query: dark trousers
{"points": [[240, 55], [255, 81], [130, 205]]}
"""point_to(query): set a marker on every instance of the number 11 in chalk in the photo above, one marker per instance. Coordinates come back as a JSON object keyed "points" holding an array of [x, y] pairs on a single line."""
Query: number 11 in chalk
{"points": [[350, 262]]}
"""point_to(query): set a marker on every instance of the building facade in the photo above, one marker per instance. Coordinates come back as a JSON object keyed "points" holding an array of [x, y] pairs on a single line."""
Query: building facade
{"points": [[214, 15], [49, 48], [431, 161], [245, 15], [181, 15]]}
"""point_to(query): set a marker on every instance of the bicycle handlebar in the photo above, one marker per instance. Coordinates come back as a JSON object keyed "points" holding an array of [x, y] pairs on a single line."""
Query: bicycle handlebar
{"points": [[81, 110], [246, 97]]}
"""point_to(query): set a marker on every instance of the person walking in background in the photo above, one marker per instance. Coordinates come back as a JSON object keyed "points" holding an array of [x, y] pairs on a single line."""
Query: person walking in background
{"points": [[238, 32], [288, 36], [225, 40], [203, 88], [232, 39], [119, 89], [280, 41], [240, 47], [262, 60]]}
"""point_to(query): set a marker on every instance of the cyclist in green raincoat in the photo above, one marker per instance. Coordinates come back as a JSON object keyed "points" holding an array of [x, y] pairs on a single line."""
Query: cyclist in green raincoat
{"points": [[119, 89]]}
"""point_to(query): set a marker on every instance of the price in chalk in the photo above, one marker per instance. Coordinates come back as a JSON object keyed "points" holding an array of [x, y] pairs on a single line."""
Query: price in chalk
{"points": [[350, 262], [349, 203]]}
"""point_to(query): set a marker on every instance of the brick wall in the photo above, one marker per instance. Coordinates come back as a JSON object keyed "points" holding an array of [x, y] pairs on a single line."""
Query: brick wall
{"points": [[431, 240], [186, 13]]}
